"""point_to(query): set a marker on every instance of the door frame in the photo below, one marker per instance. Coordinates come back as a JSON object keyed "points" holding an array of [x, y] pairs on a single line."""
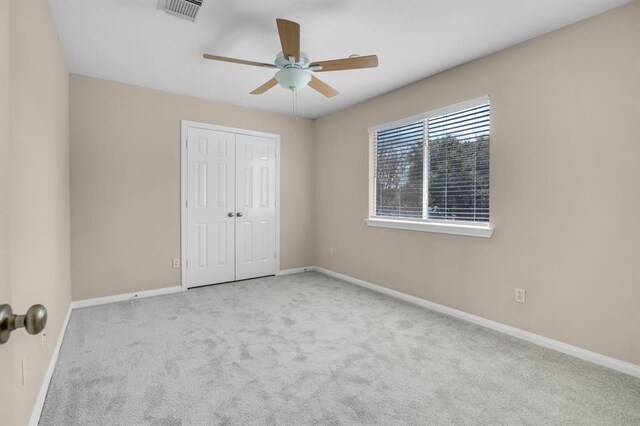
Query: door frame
{"points": [[184, 125]]}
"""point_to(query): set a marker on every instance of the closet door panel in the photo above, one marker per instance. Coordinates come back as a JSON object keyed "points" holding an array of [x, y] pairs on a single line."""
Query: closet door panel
{"points": [[255, 206], [210, 200]]}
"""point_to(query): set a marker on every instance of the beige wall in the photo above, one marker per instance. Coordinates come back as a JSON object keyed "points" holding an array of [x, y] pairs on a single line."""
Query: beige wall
{"points": [[125, 183], [565, 146], [6, 353], [35, 194]]}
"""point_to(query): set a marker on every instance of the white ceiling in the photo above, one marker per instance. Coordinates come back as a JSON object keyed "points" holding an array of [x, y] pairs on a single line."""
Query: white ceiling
{"points": [[131, 41]]}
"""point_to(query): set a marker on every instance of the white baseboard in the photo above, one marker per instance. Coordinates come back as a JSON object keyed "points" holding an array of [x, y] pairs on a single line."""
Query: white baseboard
{"points": [[596, 358], [295, 270], [46, 380], [122, 297]]}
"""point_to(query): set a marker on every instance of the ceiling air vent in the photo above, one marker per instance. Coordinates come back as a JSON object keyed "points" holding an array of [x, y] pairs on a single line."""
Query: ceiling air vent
{"points": [[186, 9]]}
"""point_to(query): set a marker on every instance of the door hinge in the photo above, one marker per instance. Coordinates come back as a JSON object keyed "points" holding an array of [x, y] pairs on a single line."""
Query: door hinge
{"points": [[186, 143], [186, 204], [186, 263], [275, 254]]}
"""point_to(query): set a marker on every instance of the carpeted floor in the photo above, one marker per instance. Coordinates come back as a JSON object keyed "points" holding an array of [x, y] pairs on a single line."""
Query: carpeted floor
{"points": [[309, 349]]}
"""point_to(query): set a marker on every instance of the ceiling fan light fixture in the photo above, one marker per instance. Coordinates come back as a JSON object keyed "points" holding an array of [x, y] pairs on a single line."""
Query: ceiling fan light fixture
{"points": [[293, 78]]}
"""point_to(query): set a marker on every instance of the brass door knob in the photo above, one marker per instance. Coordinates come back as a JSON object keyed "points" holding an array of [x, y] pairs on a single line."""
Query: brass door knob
{"points": [[33, 321]]}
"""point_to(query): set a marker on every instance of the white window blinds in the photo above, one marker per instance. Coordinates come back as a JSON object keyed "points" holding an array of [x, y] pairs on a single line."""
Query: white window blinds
{"points": [[459, 165], [400, 170], [434, 168]]}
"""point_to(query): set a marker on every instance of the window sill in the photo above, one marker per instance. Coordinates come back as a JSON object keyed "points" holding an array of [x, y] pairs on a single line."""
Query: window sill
{"points": [[482, 231]]}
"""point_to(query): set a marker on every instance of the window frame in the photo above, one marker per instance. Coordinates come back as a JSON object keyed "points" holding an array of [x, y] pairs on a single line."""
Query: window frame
{"points": [[467, 228]]}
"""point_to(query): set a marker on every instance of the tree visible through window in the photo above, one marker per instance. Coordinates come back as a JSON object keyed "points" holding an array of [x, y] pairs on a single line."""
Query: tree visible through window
{"points": [[435, 168], [399, 172]]}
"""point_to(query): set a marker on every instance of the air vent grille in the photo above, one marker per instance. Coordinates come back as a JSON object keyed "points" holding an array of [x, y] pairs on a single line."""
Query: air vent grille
{"points": [[187, 9]]}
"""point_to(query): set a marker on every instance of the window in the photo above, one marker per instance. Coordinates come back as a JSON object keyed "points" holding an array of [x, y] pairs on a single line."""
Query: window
{"points": [[431, 172]]}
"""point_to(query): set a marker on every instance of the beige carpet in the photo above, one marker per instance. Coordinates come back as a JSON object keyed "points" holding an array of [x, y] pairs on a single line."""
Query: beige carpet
{"points": [[308, 349]]}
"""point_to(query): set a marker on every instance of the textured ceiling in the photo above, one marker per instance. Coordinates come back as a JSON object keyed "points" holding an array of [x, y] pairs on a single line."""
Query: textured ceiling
{"points": [[133, 42]]}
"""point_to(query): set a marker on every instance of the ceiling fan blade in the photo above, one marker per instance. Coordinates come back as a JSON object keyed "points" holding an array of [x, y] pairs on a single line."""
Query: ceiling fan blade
{"points": [[322, 87], [289, 38], [237, 61], [268, 85], [370, 61]]}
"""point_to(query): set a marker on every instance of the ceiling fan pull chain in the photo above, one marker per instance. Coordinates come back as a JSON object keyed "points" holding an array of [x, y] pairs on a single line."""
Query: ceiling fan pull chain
{"points": [[294, 93], [294, 103]]}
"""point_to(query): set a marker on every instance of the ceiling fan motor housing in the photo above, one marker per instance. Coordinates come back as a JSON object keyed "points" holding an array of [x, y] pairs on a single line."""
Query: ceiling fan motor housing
{"points": [[282, 62]]}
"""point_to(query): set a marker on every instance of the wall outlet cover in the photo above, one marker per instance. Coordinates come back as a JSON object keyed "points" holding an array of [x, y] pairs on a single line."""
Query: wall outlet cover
{"points": [[176, 263], [521, 295], [24, 371]]}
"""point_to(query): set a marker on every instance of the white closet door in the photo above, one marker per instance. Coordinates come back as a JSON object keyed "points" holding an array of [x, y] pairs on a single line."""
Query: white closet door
{"points": [[255, 206], [210, 201]]}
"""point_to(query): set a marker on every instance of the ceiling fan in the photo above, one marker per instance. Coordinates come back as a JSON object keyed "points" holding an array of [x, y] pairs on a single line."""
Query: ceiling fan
{"points": [[295, 67]]}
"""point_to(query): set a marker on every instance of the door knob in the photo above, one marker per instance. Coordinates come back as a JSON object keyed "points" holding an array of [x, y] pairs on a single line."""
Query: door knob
{"points": [[33, 321], [239, 214], [230, 214]]}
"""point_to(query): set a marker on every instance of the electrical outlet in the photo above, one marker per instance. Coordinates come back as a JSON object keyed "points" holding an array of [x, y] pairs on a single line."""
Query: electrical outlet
{"points": [[521, 295], [24, 371], [176, 262], [331, 253]]}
